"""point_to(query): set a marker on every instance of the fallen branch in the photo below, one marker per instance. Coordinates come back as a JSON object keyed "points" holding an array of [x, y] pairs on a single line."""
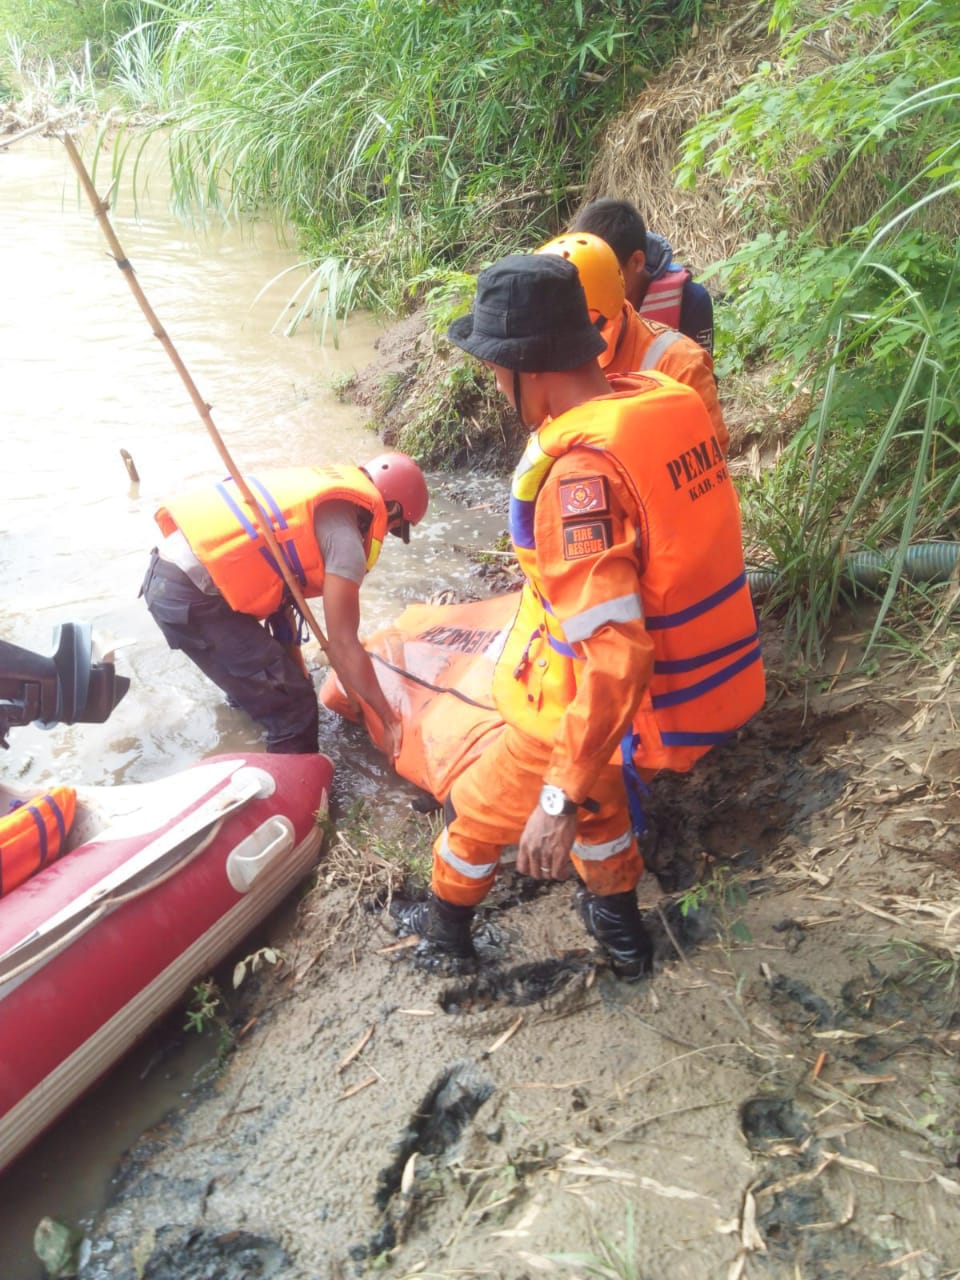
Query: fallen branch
{"points": [[357, 1049]]}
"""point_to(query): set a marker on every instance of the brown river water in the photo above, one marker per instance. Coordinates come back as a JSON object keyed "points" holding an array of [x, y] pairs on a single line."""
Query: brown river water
{"points": [[83, 377]]}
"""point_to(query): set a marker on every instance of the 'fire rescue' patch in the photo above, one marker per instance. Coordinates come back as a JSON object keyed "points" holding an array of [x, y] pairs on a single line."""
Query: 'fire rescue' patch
{"points": [[585, 538], [583, 496]]}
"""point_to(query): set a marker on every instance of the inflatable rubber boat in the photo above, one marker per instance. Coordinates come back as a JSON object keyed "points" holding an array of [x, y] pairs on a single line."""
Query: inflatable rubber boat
{"points": [[148, 887], [435, 665]]}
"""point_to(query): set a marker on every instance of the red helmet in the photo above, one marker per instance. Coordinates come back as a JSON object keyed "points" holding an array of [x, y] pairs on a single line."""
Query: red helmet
{"points": [[399, 479]]}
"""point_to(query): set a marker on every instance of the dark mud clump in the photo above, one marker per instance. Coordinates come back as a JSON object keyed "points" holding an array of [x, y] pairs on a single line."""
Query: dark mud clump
{"points": [[522, 984], [407, 1184], [203, 1255]]}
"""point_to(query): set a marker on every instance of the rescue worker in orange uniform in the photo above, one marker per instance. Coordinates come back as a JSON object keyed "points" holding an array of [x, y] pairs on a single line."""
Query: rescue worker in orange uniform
{"points": [[658, 288], [635, 344], [214, 589], [635, 644]]}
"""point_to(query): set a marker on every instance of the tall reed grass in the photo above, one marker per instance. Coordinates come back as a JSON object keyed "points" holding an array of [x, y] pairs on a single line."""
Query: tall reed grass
{"points": [[58, 32], [396, 135]]}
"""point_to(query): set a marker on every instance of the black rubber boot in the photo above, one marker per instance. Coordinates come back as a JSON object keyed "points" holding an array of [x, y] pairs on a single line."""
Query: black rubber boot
{"points": [[614, 921], [443, 924]]}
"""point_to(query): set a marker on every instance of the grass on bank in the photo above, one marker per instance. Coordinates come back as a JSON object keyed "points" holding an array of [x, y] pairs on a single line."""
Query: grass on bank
{"points": [[858, 304], [398, 137], [58, 31], [372, 853]]}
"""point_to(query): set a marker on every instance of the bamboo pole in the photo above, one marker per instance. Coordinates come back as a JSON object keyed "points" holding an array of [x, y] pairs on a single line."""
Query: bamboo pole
{"points": [[43, 127], [100, 208]]}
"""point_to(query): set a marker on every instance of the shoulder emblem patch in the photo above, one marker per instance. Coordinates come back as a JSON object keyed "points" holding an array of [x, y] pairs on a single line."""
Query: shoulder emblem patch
{"points": [[584, 495], [583, 538]]}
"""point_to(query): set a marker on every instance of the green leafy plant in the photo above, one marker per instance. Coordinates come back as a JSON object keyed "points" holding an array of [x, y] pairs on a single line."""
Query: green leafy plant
{"points": [[204, 1009], [456, 417], [58, 31], [205, 1015], [136, 63], [447, 295], [919, 965], [408, 847], [849, 177], [693, 899], [323, 819], [328, 291], [60, 1247], [46, 85], [612, 1259], [724, 896]]}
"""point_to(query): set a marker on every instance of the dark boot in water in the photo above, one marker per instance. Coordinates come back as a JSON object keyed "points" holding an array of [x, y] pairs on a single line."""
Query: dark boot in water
{"points": [[614, 921], [443, 924]]}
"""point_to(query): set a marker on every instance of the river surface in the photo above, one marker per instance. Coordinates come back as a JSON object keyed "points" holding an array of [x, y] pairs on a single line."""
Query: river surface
{"points": [[83, 377]]}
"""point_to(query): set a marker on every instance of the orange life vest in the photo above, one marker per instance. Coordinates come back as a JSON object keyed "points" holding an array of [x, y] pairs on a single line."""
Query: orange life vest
{"points": [[224, 536], [664, 297], [33, 835], [708, 675]]}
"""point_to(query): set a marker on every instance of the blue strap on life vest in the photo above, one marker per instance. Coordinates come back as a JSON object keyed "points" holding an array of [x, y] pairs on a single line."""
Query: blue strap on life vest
{"points": [[279, 626], [41, 826], [634, 785], [692, 691], [288, 628], [303, 631], [665, 621], [288, 552], [289, 549]]}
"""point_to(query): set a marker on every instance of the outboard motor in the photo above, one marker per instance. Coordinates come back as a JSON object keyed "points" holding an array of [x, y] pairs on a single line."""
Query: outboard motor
{"points": [[66, 688]]}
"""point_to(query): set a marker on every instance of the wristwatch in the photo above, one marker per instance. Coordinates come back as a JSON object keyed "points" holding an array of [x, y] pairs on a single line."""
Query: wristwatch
{"points": [[555, 802]]}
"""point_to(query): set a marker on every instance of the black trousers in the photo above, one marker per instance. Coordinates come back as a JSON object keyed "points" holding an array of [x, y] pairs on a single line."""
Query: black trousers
{"points": [[238, 654]]}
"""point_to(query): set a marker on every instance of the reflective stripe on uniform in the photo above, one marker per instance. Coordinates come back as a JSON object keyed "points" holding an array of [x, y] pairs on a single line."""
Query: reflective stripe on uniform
{"points": [[472, 870], [656, 348], [600, 852], [585, 624]]}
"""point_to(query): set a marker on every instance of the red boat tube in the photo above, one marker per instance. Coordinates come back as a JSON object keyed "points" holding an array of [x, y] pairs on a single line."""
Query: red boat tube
{"points": [[162, 881]]}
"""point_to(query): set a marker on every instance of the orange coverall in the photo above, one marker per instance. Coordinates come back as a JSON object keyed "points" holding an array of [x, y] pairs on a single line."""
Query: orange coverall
{"points": [[630, 338], [490, 802]]}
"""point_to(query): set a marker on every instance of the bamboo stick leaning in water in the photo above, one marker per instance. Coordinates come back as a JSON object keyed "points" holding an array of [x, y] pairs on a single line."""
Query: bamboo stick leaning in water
{"points": [[100, 209], [43, 126]]}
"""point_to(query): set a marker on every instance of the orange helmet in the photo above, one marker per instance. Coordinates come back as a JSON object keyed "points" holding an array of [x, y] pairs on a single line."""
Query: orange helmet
{"points": [[400, 480], [598, 269]]}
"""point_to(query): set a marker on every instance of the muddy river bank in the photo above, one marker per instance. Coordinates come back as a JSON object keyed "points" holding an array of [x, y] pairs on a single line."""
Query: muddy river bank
{"points": [[781, 1100]]}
